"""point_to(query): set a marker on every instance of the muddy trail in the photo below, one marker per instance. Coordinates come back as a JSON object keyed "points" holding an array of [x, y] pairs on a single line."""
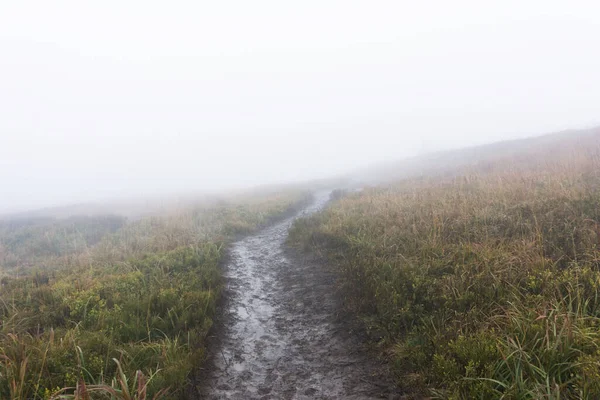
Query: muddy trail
{"points": [[282, 337]]}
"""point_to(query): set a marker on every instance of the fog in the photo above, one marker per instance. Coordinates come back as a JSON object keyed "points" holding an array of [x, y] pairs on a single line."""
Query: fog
{"points": [[117, 99]]}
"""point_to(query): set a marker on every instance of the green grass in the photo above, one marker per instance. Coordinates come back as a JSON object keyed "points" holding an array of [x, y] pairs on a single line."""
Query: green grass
{"points": [[105, 308], [482, 284], [48, 242]]}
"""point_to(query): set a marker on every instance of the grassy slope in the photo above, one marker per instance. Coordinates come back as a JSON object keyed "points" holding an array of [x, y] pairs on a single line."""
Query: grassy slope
{"points": [[142, 292], [482, 281]]}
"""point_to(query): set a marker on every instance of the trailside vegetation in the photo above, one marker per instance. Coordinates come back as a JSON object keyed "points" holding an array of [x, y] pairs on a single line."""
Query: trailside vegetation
{"points": [[101, 307], [482, 283]]}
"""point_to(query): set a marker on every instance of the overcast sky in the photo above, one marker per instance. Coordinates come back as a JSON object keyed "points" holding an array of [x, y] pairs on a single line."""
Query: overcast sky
{"points": [[119, 98]]}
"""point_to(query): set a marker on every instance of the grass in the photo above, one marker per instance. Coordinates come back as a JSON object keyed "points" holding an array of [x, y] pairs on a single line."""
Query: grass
{"points": [[102, 307], [482, 283]]}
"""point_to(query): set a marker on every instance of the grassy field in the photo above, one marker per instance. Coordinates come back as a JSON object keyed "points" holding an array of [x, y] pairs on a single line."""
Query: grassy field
{"points": [[481, 282], [110, 308]]}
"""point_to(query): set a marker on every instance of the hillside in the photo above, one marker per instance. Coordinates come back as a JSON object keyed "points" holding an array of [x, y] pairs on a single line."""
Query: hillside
{"points": [[480, 157], [101, 306], [478, 273]]}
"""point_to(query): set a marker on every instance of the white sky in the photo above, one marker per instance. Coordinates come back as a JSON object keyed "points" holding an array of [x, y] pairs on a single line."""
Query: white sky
{"points": [[119, 98]]}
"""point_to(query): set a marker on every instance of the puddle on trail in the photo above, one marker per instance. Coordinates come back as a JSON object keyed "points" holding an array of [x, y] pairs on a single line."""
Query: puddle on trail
{"points": [[281, 339]]}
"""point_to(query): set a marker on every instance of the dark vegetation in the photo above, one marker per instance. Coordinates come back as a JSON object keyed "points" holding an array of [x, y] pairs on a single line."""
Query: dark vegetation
{"points": [[101, 307], [481, 281]]}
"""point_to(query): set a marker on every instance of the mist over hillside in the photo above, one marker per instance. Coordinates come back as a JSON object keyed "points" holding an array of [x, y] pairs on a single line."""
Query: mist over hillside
{"points": [[231, 95], [457, 161], [431, 164], [323, 199]]}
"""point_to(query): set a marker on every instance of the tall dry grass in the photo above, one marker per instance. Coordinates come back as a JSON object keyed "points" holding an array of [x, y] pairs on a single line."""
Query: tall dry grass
{"points": [[481, 282]]}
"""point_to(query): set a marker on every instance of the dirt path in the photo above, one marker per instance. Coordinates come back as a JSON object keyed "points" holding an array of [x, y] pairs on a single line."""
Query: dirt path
{"points": [[282, 339]]}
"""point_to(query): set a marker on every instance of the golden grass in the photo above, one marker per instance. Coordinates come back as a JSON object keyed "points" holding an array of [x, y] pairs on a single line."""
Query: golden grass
{"points": [[482, 281]]}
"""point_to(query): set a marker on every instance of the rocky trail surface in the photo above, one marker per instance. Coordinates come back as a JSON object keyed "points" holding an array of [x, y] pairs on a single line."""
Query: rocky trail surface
{"points": [[282, 337]]}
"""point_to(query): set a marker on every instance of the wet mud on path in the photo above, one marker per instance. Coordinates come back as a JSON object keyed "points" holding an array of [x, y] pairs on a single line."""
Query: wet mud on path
{"points": [[281, 337]]}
